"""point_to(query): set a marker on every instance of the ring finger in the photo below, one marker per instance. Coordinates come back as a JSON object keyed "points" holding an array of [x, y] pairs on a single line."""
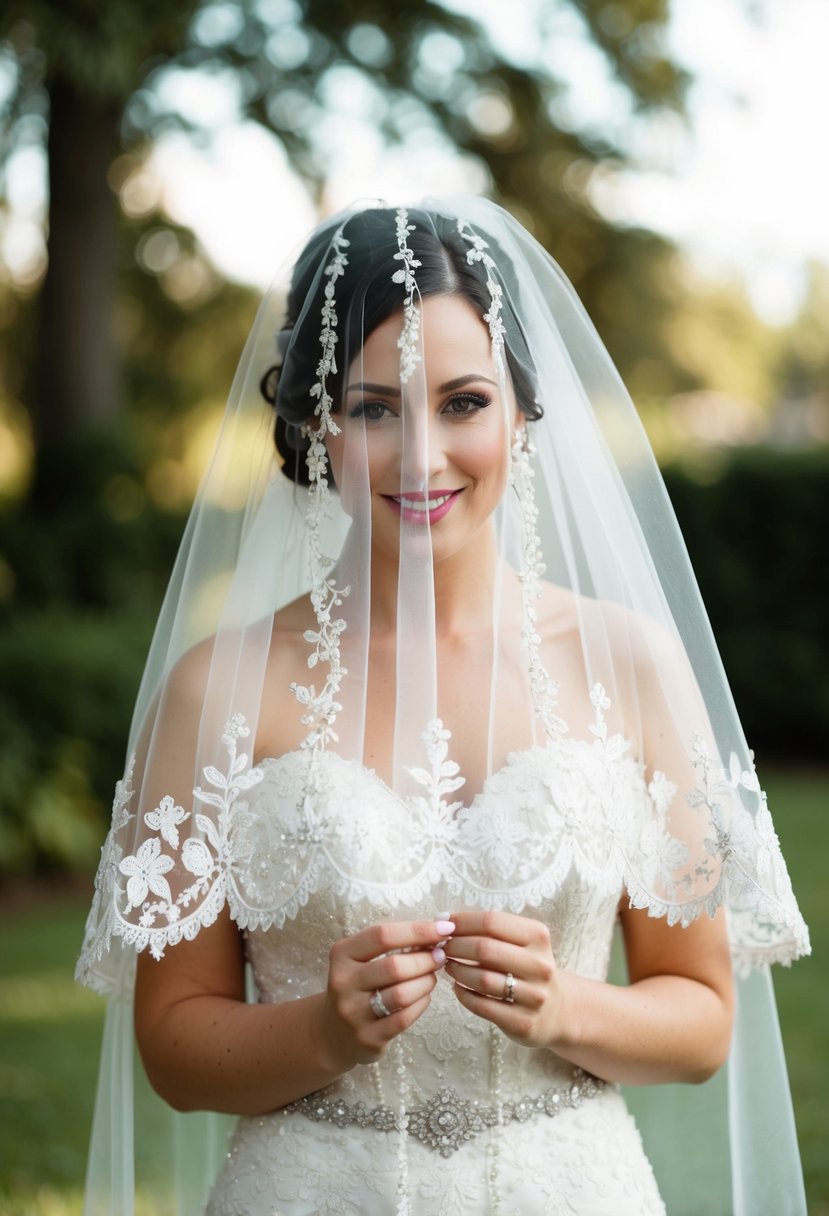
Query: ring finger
{"points": [[488, 983], [400, 996]]}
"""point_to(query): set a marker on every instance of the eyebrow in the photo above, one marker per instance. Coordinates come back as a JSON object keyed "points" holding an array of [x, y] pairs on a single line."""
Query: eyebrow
{"points": [[386, 390]]}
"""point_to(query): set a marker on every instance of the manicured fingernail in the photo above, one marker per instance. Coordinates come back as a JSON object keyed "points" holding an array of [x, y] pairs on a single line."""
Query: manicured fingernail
{"points": [[445, 927], [439, 955], [444, 915]]}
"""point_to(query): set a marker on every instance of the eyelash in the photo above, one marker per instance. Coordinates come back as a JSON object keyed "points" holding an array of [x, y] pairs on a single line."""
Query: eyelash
{"points": [[478, 400]]}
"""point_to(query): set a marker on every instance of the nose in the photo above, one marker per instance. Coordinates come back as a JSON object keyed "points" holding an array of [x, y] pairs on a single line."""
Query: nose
{"points": [[423, 456]]}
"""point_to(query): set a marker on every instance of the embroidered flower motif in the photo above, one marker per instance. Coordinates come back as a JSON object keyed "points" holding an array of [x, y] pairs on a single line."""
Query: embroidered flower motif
{"points": [[662, 858], [662, 792], [235, 728], [166, 819], [410, 335], [146, 870], [501, 840], [209, 859], [442, 776]]}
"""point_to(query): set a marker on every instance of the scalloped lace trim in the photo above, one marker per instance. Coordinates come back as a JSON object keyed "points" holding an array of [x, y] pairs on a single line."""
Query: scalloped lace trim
{"points": [[266, 867]]}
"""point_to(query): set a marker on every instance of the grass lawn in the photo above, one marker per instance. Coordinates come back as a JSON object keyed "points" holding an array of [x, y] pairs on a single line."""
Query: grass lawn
{"points": [[50, 1028], [800, 805]]}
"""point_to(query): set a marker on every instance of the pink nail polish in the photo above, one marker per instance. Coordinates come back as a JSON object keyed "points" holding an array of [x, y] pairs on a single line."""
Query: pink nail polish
{"points": [[445, 927], [439, 955]]}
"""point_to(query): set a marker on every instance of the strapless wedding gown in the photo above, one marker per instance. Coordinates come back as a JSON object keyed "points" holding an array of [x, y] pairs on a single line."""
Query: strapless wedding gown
{"points": [[488, 1126]]}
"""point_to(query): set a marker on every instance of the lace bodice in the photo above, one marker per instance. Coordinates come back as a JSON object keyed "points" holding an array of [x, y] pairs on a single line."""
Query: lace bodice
{"points": [[326, 841], [537, 839]]}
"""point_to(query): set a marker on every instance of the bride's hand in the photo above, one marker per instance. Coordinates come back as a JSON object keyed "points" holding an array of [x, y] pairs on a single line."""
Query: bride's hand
{"points": [[503, 970], [374, 991]]}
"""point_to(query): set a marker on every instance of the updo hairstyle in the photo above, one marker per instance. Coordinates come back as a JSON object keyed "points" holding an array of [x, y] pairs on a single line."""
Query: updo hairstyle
{"points": [[366, 296]]}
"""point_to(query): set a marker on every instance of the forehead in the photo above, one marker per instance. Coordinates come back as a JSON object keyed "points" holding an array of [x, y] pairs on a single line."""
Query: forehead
{"points": [[452, 332]]}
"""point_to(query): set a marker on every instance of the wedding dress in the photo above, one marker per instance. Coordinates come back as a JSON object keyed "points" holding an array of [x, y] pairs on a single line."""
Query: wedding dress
{"points": [[538, 839]]}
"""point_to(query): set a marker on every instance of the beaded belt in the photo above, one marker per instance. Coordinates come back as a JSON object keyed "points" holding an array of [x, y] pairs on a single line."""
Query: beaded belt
{"points": [[448, 1120]]}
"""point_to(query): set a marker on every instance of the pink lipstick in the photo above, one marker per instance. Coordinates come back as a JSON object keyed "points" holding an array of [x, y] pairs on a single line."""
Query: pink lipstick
{"points": [[421, 508]]}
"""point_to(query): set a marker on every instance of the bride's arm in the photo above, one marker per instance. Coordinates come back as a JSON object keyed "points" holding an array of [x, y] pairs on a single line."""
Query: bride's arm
{"points": [[204, 1048]]}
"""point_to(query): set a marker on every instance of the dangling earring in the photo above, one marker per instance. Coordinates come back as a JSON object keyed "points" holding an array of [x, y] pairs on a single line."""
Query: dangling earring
{"points": [[521, 476]]}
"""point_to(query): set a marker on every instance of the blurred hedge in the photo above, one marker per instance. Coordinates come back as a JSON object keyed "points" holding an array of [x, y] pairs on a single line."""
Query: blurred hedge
{"points": [[83, 566], [84, 574], [756, 523]]}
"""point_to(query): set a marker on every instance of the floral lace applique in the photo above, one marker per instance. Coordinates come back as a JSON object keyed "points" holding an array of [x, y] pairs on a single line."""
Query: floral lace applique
{"points": [[311, 825], [209, 861]]}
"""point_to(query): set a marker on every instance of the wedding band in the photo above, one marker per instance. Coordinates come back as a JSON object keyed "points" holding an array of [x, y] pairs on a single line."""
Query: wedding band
{"points": [[378, 1007], [509, 988]]}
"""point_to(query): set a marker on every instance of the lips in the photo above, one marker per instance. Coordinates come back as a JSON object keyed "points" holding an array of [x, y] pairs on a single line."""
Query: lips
{"points": [[422, 507]]}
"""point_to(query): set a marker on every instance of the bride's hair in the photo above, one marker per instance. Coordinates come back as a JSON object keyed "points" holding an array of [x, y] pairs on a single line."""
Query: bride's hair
{"points": [[366, 295]]}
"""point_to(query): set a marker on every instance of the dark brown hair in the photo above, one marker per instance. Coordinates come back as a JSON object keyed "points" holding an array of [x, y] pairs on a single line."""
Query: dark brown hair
{"points": [[366, 295]]}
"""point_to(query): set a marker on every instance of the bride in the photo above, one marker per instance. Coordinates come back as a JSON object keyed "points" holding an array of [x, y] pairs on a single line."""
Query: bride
{"points": [[395, 778]]}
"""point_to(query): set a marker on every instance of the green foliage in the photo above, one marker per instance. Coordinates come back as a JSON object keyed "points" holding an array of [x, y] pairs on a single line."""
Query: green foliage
{"points": [[50, 1032], [90, 536], [799, 809], [424, 70], [101, 47], [84, 577], [752, 525], [69, 682]]}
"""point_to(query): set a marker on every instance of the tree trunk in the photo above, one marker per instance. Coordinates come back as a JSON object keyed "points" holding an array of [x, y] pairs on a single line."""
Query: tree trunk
{"points": [[77, 379]]}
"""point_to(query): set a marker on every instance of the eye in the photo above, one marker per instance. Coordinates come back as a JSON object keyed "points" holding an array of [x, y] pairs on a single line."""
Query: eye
{"points": [[370, 411], [465, 404]]}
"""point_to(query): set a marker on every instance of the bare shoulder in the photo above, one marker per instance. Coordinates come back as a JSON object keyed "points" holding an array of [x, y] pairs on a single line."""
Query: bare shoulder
{"points": [[188, 684], [569, 616], [640, 661]]}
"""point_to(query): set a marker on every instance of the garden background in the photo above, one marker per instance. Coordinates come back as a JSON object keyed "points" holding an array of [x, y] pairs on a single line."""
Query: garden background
{"points": [[123, 309]]}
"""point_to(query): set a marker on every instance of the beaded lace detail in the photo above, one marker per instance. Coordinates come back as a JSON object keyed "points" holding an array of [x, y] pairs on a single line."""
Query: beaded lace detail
{"points": [[544, 690], [409, 339], [478, 253], [326, 596], [289, 828]]}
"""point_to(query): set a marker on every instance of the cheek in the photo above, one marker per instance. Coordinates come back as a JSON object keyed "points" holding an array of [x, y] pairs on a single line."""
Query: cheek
{"points": [[484, 454], [360, 461]]}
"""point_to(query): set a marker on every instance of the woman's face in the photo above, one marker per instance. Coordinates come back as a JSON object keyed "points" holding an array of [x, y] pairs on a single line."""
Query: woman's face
{"points": [[438, 457]]}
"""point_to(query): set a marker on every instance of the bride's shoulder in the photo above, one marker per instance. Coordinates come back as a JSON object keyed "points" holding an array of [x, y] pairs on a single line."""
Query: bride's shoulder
{"points": [[189, 675], [564, 616]]}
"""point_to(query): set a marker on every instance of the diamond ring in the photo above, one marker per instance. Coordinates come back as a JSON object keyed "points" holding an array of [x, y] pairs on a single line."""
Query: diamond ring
{"points": [[378, 1007], [509, 988]]}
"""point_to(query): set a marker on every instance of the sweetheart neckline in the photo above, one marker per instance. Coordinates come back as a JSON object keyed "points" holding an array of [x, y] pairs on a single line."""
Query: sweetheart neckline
{"points": [[623, 747]]}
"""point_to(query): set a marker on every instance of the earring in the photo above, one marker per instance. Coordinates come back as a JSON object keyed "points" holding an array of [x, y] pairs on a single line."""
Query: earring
{"points": [[521, 476]]}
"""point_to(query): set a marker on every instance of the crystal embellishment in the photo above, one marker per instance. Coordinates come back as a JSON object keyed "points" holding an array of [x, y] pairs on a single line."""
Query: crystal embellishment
{"points": [[448, 1120]]}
